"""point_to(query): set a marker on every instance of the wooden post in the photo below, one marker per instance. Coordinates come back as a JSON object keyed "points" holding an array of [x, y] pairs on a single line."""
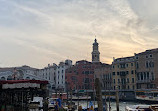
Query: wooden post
{"points": [[99, 94], [109, 102], [106, 103], [71, 99], [87, 99], [78, 96], [117, 99], [67, 96]]}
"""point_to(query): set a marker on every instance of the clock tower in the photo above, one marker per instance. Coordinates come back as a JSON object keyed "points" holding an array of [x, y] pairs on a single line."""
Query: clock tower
{"points": [[95, 52]]}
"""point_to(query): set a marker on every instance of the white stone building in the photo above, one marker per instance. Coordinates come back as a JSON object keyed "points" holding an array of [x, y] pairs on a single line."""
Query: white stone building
{"points": [[48, 73], [18, 73], [60, 74], [55, 75]]}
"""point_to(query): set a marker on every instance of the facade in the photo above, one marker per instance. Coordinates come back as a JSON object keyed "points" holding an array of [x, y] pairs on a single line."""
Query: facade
{"points": [[18, 73], [60, 74], [55, 75], [95, 52], [147, 69], [48, 73], [124, 73], [81, 75], [139, 72], [105, 76]]}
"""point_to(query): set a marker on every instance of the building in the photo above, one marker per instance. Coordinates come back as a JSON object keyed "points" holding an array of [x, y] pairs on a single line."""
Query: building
{"points": [[147, 69], [124, 73], [18, 73], [60, 74], [48, 73], [55, 75], [95, 52], [81, 75], [104, 74]]}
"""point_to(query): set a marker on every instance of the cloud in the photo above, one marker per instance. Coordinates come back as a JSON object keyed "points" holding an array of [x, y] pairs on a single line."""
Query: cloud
{"points": [[55, 30]]}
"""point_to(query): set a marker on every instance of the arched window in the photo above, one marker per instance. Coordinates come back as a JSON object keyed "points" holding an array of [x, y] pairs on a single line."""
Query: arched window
{"points": [[2, 78], [27, 78], [9, 78]]}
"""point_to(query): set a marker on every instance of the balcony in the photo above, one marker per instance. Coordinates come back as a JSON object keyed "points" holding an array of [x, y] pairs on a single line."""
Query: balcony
{"points": [[143, 81], [123, 74]]}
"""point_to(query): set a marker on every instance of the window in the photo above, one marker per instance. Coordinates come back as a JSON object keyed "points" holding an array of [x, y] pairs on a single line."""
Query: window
{"points": [[132, 72], [2, 78], [126, 72], [113, 67], [128, 87], [152, 64], [151, 55], [86, 72], [127, 80], [114, 87], [147, 75], [138, 76], [133, 87], [131, 64], [118, 73], [144, 76], [113, 73], [152, 75], [141, 76], [122, 65], [146, 56], [126, 65], [147, 65], [118, 66], [114, 81], [118, 80], [132, 80], [137, 65]]}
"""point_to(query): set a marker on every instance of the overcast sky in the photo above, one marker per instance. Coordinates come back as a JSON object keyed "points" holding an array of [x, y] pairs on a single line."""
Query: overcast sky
{"points": [[38, 32]]}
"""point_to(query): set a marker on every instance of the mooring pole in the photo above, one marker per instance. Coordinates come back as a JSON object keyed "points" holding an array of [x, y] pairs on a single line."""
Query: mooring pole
{"points": [[99, 94], [109, 102], [71, 99], [117, 99]]}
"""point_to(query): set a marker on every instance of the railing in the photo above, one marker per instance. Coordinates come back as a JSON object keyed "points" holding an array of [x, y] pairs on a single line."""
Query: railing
{"points": [[143, 81]]}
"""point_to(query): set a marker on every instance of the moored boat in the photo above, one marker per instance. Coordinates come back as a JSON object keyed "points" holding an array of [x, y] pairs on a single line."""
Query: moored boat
{"points": [[142, 108], [149, 96]]}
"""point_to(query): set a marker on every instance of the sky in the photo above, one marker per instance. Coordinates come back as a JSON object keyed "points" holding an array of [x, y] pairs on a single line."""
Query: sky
{"points": [[42, 32]]}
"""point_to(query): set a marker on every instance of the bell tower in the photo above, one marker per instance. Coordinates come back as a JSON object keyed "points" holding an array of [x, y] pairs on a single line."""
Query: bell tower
{"points": [[95, 52]]}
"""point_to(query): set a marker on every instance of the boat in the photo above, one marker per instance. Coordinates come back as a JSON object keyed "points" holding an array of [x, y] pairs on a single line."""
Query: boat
{"points": [[148, 96], [142, 108], [65, 105], [36, 104]]}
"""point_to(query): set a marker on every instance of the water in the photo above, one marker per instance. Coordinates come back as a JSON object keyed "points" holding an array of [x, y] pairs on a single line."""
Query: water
{"points": [[122, 105]]}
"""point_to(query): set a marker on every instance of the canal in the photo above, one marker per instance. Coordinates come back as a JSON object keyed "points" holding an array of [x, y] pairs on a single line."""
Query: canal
{"points": [[122, 105]]}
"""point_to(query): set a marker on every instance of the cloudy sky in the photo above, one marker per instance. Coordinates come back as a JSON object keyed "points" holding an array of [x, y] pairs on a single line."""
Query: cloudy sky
{"points": [[38, 32]]}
